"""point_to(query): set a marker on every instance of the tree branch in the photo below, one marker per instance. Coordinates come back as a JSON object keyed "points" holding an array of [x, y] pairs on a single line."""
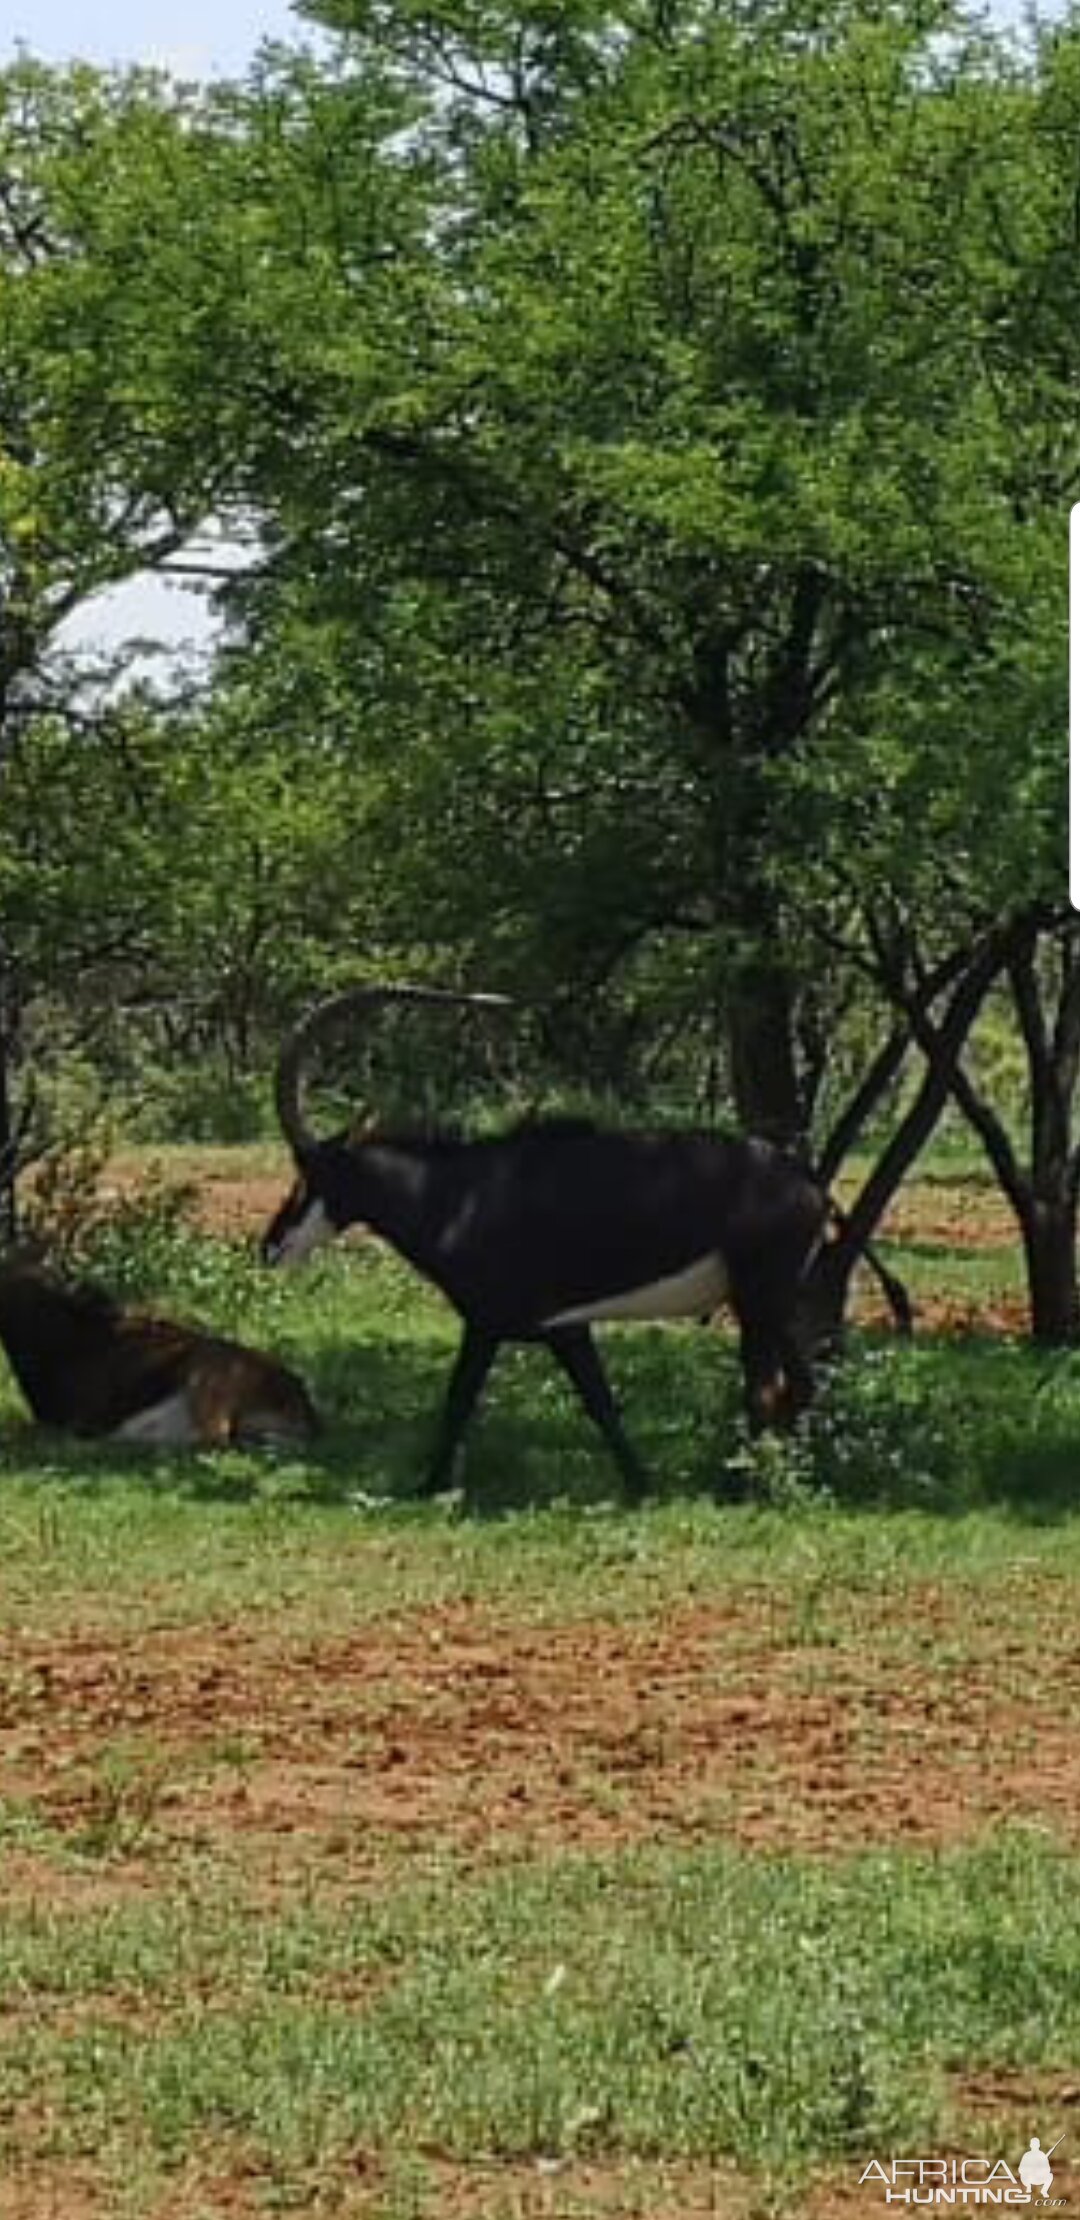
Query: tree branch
{"points": [[883, 1070]]}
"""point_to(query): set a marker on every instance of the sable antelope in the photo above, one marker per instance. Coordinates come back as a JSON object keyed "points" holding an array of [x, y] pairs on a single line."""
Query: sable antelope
{"points": [[87, 1364], [543, 1231]]}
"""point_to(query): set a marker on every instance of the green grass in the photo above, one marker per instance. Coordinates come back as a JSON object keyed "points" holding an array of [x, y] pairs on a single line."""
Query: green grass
{"points": [[774, 2012], [935, 1456]]}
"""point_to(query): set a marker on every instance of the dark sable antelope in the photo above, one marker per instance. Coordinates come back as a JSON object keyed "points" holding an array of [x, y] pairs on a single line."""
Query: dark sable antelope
{"points": [[542, 1232], [88, 1365]]}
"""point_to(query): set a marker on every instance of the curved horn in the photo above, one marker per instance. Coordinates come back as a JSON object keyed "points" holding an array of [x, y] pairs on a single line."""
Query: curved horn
{"points": [[287, 1077]]}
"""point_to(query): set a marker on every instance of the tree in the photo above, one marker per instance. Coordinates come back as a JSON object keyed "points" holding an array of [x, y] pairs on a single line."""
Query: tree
{"points": [[117, 282], [674, 464]]}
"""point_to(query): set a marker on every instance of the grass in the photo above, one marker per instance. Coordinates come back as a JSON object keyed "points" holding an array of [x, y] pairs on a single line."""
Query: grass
{"points": [[771, 2013], [709, 2005], [190, 2027], [920, 1460]]}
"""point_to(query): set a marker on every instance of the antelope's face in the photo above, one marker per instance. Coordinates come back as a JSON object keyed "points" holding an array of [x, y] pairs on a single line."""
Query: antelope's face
{"points": [[301, 1225]]}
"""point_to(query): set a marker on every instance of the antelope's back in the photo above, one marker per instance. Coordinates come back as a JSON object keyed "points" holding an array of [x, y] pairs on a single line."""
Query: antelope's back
{"points": [[558, 1214]]}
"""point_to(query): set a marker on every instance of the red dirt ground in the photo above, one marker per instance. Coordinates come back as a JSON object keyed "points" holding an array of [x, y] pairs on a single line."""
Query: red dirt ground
{"points": [[454, 1727], [578, 2189]]}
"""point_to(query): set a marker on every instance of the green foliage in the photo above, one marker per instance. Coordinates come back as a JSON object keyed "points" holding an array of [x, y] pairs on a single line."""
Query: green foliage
{"points": [[649, 431], [203, 1103], [140, 1241], [654, 525]]}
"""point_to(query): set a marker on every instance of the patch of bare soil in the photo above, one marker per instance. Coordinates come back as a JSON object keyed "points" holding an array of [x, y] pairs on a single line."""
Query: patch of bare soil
{"points": [[240, 1208], [61, 2192], [365, 2190], [452, 1728], [363, 2187], [975, 1218], [227, 1196], [1025, 2096], [1004, 1316], [584, 2189]]}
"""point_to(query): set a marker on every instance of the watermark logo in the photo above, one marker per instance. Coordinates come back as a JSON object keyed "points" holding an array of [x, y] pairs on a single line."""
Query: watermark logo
{"points": [[967, 2181], [1034, 2168]]}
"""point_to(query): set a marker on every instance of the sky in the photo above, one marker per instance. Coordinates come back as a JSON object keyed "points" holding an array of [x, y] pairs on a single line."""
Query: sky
{"points": [[192, 38]]}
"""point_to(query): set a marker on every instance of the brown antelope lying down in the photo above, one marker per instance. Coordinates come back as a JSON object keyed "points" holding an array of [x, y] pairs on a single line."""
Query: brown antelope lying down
{"points": [[86, 1364]]}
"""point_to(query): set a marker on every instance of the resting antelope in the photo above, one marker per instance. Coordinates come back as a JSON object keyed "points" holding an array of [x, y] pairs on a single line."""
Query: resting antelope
{"points": [[88, 1365], [542, 1232]]}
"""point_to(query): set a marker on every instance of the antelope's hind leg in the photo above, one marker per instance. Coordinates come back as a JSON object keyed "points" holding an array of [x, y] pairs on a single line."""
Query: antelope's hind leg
{"points": [[798, 1374], [778, 1379]]}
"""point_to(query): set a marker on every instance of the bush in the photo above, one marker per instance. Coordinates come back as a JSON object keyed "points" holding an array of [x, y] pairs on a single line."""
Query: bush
{"points": [[138, 1242], [201, 1102]]}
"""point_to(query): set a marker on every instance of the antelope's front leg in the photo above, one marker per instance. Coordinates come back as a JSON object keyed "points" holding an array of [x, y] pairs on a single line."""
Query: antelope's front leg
{"points": [[474, 1360]]}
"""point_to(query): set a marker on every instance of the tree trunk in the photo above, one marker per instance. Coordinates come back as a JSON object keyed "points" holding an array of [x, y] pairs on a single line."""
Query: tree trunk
{"points": [[824, 1301], [734, 752], [1044, 1196], [12, 1124], [761, 1051], [8, 1146], [1049, 1233]]}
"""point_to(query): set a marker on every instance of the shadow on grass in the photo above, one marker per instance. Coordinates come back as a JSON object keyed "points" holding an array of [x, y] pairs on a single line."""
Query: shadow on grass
{"points": [[988, 1249], [951, 1425], [530, 1444], [975, 1178], [947, 1426]]}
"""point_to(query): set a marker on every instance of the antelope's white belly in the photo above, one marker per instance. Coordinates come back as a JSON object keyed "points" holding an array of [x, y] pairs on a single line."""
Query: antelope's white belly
{"points": [[698, 1287], [167, 1425]]}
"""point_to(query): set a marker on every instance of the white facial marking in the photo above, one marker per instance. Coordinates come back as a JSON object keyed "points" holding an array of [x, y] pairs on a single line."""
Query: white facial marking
{"points": [[310, 1232], [167, 1425], [697, 1288]]}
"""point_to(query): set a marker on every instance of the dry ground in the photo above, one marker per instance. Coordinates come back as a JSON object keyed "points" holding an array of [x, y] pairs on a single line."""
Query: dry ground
{"points": [[345, 1762], [457, 1729], [355, 1757]]}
